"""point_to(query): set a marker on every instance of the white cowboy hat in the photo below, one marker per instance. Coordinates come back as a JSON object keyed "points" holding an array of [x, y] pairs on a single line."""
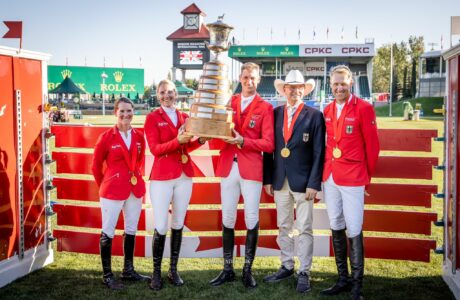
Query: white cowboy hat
{"points": [[294, 77]]}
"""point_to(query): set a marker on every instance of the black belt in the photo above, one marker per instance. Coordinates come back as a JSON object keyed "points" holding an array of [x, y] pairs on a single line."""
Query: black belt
{"points": [[235, 159]]}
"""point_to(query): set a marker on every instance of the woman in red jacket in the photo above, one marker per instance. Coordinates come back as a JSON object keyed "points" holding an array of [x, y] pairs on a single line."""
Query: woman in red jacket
{"points": [[170, 179], [121, 187]]}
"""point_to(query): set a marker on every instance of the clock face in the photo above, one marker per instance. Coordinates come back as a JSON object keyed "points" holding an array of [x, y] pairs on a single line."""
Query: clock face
{"points": [[191, 22]]}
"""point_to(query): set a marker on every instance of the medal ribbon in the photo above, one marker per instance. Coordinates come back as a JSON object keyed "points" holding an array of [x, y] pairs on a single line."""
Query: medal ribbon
{"points": [[287, 130], [248, 117], [337, 125], [180, 122], [130, 162]]}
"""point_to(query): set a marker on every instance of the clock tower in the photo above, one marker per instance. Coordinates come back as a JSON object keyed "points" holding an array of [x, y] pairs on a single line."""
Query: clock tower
{"points": [[189, 48], [192, 21]]}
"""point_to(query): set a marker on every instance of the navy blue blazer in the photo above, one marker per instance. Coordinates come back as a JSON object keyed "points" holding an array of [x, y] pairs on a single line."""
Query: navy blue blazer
{"points": [[304, 166]]}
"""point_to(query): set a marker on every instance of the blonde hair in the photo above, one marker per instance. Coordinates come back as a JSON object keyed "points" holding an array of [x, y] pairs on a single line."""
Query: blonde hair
{"points": [[342, 70], [166, 82], [250, 66]]}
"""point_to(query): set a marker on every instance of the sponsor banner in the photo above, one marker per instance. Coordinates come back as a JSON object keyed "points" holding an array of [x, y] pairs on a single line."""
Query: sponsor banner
{"points": [[336, 50], [269, 68], [294, 65], [264, 51], [190, 55], [119, 80], [314, 68]]}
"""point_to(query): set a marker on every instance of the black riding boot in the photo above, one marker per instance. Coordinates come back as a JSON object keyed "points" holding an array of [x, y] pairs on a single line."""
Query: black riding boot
{"points": [[252, 236], [227, 274], [108, 279], [357, 266], [176, 240], [158, 246], [339, 243], [128, 270]]}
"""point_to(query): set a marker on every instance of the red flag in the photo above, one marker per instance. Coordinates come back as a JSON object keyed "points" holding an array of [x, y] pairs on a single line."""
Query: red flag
{"points": [[15, 29]]}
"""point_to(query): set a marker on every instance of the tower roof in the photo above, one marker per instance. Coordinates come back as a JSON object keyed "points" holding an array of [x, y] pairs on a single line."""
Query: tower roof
{"points": [[187, 34], [193, 9]]}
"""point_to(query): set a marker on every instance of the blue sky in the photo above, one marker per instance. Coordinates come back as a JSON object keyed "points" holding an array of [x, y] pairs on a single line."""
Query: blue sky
{"points": [[123, 31]]}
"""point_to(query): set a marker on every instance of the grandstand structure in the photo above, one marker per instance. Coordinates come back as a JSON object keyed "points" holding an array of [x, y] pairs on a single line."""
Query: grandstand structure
{"points": [[432, 75], [313, 60]]}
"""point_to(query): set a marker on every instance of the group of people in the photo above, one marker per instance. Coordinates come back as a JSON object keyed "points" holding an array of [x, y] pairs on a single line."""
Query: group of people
{"points": [[292, 152]]}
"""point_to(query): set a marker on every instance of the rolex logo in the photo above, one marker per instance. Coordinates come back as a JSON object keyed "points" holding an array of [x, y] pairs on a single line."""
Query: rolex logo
{"points": [[286, 49], [239, 49], [118, 75], [263, 49], [66, 73]]}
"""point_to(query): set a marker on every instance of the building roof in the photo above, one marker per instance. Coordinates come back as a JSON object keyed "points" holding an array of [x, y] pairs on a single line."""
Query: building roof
{"points": [[187, 34], [436, 53], [193, 9]]}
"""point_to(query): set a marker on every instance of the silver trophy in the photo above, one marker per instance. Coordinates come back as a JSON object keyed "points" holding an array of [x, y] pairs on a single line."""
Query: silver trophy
{"points": [[219, 32], [209, 115]]}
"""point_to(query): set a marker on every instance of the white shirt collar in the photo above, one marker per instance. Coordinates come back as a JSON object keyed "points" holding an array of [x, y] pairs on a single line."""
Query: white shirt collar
{"points": [[294, 107], [169, 110], [340, 106]]}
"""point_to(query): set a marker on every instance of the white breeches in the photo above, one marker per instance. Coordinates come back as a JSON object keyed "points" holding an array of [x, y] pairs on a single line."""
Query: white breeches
{"points": [[111, 211], [231, 188], [176, 192], [345, 206]]}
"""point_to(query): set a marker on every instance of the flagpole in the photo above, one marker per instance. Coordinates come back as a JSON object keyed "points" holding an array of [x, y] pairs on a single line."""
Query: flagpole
{"points": [[391, 79]]}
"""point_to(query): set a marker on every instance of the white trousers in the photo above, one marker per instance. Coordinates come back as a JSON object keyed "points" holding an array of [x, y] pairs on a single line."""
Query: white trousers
{"points": [[230, 189], [111, 211], [285, 200], [345, 206], [165, 192]]}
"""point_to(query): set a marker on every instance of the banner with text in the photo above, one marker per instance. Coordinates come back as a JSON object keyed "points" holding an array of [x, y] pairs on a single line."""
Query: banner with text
{"points": [[119, 80]]}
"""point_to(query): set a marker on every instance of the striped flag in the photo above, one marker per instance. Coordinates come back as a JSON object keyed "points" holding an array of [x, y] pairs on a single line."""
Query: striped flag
{"points": [[341, 35]]}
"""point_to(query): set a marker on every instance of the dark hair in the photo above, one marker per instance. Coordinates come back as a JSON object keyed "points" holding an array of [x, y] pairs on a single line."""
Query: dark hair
{"points": [[124, 100]]}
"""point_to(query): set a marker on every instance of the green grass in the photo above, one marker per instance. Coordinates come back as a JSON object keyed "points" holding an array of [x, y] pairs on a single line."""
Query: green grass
{"points": [[78, 276], [428, 104]]}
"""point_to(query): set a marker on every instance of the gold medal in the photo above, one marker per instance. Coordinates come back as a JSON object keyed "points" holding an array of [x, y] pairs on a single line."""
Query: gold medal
{"points": [[285, 152], [133, 180], [184, 158], [337, 153]]}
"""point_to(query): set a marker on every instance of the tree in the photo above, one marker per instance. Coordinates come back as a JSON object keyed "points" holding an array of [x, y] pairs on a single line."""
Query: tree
{"points": [[192, 83], [405, 56], [417, 47]]}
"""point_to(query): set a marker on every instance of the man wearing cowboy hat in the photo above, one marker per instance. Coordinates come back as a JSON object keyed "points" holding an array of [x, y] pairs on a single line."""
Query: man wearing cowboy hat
{"points": [[293, 175], [352, 150]]}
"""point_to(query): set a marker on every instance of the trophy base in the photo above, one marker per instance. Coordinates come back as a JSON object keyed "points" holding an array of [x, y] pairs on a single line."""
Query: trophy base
{"points": [[208, 128]]}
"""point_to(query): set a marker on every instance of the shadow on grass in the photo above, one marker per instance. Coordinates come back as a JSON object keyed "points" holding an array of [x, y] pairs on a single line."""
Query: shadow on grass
{"points": [[67, 284]]}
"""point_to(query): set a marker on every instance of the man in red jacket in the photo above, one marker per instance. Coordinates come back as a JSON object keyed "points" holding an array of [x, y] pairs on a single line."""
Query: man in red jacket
{"points": [[240, 166], [352, 150]]}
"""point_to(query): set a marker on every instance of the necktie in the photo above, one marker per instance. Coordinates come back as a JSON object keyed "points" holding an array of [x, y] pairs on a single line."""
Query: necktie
{"points": [[291, 112]]}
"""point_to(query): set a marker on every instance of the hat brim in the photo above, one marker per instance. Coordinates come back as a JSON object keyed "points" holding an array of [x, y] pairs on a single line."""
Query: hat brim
{"points": [[309, 86]]}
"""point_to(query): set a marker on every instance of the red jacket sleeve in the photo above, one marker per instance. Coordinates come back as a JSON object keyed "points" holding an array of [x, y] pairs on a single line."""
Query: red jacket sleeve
{"points": [[152, 133], [266, 143], [371, 139], [99, 156]]}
